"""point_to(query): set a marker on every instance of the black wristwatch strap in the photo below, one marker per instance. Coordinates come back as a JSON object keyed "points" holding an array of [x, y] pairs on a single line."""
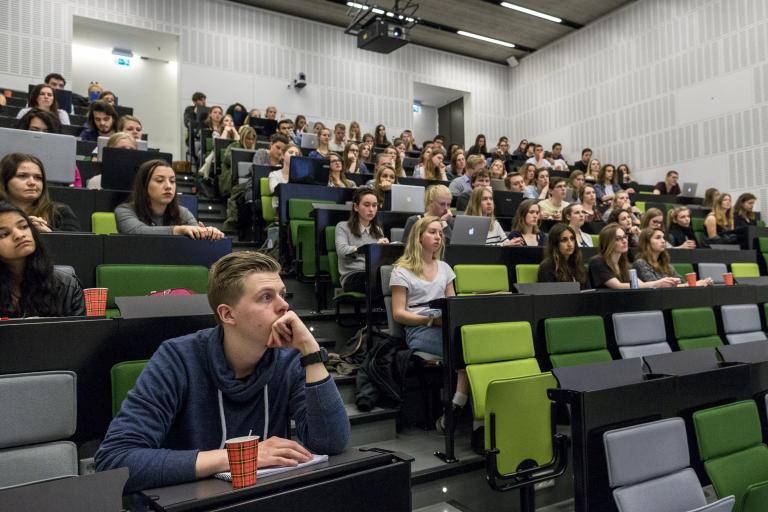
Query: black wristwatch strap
{"points": [[321, 356]]}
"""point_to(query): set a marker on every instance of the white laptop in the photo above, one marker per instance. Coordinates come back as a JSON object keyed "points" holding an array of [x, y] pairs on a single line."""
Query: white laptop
{"points": [[56, 152], [407, 198], [689, 189], [101, 143], [470, 230], [308, 141]]}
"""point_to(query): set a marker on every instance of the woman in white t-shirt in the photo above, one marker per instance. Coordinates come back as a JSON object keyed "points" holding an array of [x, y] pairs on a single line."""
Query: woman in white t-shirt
{"points": [[419, 277]]}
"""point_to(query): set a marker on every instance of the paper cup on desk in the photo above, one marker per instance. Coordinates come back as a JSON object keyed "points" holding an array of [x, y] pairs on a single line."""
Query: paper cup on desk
{"points": [[243, 455], [691, 278], [728, 279], [95, 301]]}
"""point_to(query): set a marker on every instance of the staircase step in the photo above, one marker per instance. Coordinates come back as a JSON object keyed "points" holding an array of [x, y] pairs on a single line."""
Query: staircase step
{"points": [[347, 386], [368, 428]]}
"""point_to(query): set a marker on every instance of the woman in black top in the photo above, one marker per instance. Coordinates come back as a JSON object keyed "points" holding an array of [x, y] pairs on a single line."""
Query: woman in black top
{"points": [[610, 268], [23, 184], [479, 147], [29, 285], [562, 260], [744, 211], [679, 232]]}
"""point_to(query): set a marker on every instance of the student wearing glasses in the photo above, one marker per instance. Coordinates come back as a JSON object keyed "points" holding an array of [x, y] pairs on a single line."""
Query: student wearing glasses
{"points": [[336, 176], [351, 159], [361, 229], [562, 258], [610, 268]]}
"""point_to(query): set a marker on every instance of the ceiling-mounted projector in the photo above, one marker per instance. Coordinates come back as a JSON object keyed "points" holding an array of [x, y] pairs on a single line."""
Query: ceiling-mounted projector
{"points": [[380, 30]]}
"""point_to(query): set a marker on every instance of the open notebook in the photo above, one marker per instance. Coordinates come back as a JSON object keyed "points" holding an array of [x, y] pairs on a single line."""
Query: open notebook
{"points": [[316, 459]]}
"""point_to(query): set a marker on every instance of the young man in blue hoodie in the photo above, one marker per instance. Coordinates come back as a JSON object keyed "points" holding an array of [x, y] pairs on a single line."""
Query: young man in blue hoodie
{"points": [[255, 371]]}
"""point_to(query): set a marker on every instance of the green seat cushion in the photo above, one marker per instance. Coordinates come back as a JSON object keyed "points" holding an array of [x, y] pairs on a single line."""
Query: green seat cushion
{"points": [[578, 358], [697, 224], [756, 497], [763, 241], [683, 268], [136, 280], [527, 273], [702, 342], [574, 334], [333, 268], [103, 223], [350, 297], [481, 278], [302, 208], [733, 474], [305, 244], [480, 375], [745, 270], [264, 187], [694, 322], [487, 343], [124, 377], [294, 228], [523, 420], [727, 429]]}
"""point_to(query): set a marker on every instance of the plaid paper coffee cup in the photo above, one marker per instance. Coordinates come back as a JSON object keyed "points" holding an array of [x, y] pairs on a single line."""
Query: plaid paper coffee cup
{"points": [[243, 454], [95, 301]]}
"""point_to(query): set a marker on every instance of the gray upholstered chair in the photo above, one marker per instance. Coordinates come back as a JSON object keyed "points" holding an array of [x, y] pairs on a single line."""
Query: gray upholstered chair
{"points": [[713, 270], [640, 334], [741, 323], [396, 235], [38, 411], [649, 469]]}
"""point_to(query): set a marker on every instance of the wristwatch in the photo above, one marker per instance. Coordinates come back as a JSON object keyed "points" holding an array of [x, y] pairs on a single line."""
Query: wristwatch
{"points": [[321, 356]]}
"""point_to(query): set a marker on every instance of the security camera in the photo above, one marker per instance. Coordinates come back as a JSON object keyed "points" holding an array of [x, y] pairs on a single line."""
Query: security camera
{"points": [[301, 81]]}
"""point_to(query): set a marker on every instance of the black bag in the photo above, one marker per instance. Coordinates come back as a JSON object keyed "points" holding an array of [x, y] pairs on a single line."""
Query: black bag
{"points": [[381, 376]]}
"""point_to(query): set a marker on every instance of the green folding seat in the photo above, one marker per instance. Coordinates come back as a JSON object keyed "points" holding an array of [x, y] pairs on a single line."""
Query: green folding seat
{"points": [[523, 448], [683, 268], [763, 243], [123, 376], [697, 224], [496, 351], [735, 458], [695, 328], [103, 223], [527, 273], [595, 240], [745, 270], [329, 262], [477, 279], [267, 212], [137, 280], [302, 228], [576, 340], [640, 205]]}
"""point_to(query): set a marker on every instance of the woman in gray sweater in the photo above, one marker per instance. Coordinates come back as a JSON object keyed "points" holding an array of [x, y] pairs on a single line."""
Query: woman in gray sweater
{"points": [[153, 208], [361, 229]]}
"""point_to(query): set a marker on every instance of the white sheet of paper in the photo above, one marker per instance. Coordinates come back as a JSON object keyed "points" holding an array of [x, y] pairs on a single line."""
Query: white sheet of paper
{"points": [[316, 459]]}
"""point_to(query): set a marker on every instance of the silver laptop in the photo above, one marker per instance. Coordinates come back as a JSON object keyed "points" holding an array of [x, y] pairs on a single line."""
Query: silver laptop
{"points": [[101, 143], [56, 152], [407, 198], [470, 230], [308, 141], [689, 189]]}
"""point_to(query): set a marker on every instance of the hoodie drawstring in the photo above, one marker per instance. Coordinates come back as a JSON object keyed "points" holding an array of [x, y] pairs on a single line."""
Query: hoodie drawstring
{"points": [[224, 421]]}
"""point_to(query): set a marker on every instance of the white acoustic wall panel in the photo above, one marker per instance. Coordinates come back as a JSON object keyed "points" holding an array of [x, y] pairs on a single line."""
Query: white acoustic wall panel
{"points": [[658, 84]]}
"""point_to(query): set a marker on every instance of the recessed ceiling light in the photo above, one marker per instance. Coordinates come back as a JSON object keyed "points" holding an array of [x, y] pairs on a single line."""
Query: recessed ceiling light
{"points": [[525, 10], [357, 6], [486, 39]]}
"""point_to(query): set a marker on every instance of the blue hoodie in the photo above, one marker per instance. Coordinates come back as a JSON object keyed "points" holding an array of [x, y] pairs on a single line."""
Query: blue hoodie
{"points": [[188, 400]]}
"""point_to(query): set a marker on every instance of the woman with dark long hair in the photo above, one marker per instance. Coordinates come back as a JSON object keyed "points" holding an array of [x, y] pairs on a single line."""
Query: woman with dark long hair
{"points": [[380, 136], [153, 208], [652, 259], [562, 258], [23, 184], [744, 211], [361, 229], [479, 147], [29, 284], [42, 97]]}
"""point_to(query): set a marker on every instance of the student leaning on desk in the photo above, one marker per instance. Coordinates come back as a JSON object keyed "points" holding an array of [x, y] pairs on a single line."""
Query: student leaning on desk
{"points": [[256, 370]]}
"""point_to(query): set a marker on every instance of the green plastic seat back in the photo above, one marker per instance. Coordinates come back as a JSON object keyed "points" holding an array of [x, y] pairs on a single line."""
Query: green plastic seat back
{"points": [[136, 280], [701, 238], [305, 247], [496, 351], [471, 279], [683, 268], [731, 445], [595, 240], [695, 328], [267, 212], [208, 145], [763, 241], [123, 376], [576, 340], [697, 224], [103, 223], [640, 206], [527, 273], [523, 420], [745, 270]]}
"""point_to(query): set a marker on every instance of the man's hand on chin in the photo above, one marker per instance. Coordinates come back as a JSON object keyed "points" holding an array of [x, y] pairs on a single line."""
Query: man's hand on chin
{"points": [[289, 331]]}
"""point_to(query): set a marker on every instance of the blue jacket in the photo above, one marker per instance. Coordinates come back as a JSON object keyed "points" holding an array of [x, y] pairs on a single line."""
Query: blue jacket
{"points": [[173, 411]]}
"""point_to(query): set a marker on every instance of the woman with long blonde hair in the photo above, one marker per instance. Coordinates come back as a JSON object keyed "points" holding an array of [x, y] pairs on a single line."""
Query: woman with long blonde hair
{"points": [[420, 276], [719, 220]]}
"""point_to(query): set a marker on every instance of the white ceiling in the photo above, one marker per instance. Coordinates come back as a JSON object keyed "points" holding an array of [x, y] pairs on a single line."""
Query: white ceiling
{"points": [[144, 43]]}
